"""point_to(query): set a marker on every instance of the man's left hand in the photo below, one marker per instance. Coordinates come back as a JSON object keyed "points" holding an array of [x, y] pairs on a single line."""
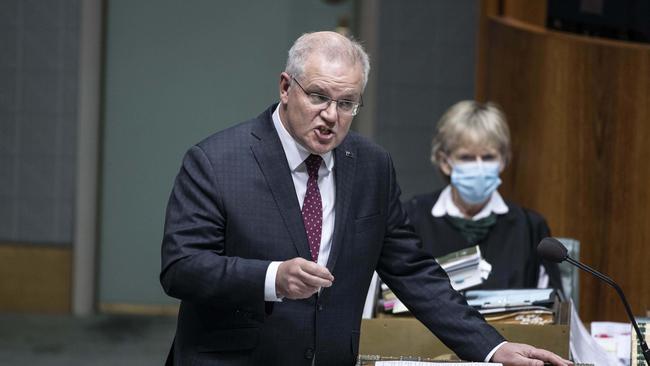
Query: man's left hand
{"points": [[517, 354]]}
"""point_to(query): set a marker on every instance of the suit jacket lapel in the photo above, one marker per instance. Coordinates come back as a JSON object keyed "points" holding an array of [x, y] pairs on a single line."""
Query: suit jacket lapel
{"points": [[344, 166], [272, 160]]}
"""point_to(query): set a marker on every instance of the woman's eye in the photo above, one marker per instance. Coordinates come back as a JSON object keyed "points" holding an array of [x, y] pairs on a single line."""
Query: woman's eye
{"points": [[467, 158]]}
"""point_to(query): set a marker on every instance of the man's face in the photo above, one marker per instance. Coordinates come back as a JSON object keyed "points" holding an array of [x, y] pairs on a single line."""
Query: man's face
{"points": [[317, 128]]}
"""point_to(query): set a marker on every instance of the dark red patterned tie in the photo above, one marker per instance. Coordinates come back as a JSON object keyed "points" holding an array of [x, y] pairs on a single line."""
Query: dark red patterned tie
{"points": [[312, 206]]}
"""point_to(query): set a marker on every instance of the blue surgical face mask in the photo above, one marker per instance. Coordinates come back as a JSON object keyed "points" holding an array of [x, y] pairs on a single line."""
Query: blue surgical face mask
{"points": [[475, 181]]}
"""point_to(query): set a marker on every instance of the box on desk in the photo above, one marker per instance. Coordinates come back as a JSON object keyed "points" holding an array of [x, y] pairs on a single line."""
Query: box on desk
{"points": [[405, 336]]}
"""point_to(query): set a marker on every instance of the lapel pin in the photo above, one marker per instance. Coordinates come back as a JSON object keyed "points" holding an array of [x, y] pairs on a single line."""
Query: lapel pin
{"points": [[348, 154]]}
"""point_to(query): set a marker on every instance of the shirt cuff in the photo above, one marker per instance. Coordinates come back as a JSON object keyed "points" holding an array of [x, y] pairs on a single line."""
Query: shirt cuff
{"points": [[494, 350], [269, 282]]}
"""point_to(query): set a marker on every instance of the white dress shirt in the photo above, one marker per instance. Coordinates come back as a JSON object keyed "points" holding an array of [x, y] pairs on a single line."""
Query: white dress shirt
{"points": [[296, 155]]}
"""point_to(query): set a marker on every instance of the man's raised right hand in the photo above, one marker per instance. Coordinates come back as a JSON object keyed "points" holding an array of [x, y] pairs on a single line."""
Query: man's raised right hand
{"points": [[299, 278]]}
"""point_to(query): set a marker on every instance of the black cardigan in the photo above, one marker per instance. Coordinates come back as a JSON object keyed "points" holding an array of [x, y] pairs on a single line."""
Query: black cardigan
{"points": [[510, 246]]}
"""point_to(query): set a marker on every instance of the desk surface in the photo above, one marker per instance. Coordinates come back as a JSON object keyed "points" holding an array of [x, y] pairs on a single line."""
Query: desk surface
{"points": [[408, 337], [368, 360]]}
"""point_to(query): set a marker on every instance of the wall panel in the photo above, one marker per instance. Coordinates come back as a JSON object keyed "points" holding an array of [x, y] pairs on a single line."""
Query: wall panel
{"points": [[35, 278], [578, 108]]}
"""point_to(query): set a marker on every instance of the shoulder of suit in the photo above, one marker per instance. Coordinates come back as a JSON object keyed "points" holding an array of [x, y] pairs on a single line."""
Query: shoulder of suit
{"points": [[237, 134], [234, 138]]}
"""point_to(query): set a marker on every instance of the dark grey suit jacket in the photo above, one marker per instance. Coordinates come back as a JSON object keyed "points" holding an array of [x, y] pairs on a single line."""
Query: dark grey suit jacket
{"points": [[233, 210]]}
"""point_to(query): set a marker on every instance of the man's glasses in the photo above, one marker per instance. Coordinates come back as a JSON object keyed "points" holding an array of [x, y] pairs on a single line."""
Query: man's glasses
{"points": [[344, 106]]}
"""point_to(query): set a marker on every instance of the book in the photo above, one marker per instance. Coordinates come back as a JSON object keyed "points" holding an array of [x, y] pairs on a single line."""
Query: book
{"points": [[515, 306], [460, 259], [512, 298], [466, 268]]}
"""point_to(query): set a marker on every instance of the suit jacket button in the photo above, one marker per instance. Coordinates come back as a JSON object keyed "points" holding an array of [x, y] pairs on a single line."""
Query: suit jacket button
{"points": [[309, 353]]}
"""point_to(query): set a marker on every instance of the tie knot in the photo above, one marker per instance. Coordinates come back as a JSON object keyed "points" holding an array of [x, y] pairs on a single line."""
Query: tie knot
{"points": [[313, 164]]}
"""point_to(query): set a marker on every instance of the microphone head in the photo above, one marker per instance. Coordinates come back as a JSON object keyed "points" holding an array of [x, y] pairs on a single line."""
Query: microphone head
{"points": [[552, 250]]}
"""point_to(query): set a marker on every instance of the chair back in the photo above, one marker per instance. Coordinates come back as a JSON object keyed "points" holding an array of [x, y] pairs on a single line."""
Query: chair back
{"points": [[569, 273]]}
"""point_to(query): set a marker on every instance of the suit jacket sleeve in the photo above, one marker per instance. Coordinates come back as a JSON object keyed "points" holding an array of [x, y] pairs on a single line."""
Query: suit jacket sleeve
{"points": [[424, 287], [194, 265]]}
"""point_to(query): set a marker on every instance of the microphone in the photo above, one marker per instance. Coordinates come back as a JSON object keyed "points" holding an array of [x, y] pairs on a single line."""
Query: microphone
{"points": [[553, 251]]}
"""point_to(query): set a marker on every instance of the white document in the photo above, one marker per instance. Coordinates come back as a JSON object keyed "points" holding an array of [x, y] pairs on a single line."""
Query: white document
{"points": [[399, 307], [615, 338], [463, 279], [422, 363], [371, 298], [485, 268], [584, 348]]}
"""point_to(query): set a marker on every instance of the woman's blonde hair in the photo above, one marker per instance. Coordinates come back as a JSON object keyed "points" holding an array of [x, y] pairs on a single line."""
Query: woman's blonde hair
{"points": [[469, 120]]}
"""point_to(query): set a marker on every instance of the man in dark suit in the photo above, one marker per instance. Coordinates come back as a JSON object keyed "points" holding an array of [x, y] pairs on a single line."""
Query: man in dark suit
{"points": [[275, 226]]}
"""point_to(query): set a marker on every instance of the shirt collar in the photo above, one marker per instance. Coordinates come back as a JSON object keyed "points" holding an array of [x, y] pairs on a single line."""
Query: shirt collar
{"points": [[296, 153], [445, 206]]}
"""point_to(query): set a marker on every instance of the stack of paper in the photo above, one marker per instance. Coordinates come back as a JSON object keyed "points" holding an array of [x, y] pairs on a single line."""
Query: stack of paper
{"points": [[492, 301], [391, 303], [514, 306], [615, 338], [420, 363], [378, 360], [465, 267], [584, 349]]}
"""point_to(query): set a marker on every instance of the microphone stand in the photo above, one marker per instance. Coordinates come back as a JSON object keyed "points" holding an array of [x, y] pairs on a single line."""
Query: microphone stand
{"points": [[644, 346]]}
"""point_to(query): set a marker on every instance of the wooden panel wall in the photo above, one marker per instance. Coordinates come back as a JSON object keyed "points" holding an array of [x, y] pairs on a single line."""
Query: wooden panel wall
{"points": [[579, 109], [531, 11], [35, 278]]}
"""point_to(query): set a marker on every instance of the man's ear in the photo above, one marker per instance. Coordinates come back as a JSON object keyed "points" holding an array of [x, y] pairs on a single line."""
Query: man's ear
{"points": [[285, 82]]}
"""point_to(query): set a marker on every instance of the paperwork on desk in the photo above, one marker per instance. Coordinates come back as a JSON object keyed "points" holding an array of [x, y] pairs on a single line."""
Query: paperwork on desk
{"points": [[422, 363], [584, 348], [465, 268], [615, 338], [496, 301]]}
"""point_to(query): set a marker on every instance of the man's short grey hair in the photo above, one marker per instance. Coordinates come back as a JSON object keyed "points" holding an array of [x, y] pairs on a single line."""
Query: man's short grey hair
{"points": [[474, 122], [333, 46]]}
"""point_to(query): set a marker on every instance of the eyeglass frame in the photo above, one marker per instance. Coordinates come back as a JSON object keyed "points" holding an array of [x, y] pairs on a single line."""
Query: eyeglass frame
{"points": [[328, 100]]}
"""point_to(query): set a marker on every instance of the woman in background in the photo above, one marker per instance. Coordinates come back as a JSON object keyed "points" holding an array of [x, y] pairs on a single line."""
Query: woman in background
{"points": [[471, 148]]}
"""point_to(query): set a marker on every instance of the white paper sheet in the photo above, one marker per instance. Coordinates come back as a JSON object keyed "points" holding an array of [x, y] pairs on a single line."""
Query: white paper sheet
{"points": [[584, 348], [421, 363], [615, 338]]}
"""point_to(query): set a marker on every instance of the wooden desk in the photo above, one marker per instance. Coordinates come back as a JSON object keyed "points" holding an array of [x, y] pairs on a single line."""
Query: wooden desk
{"points": [[406, 336]]}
